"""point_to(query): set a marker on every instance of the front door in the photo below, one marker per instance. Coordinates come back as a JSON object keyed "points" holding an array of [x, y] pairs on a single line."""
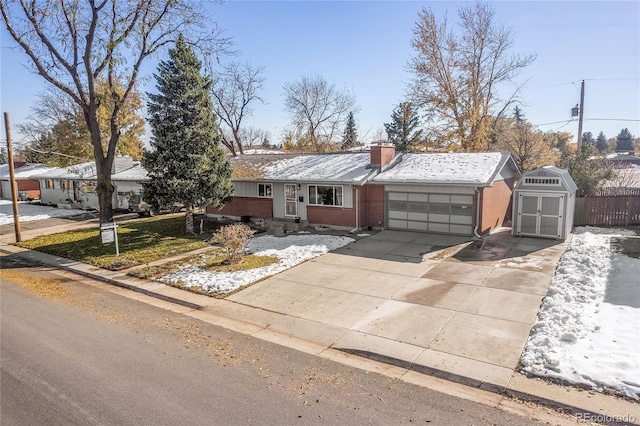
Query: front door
{"points": [[540, 215], [290, 200]]}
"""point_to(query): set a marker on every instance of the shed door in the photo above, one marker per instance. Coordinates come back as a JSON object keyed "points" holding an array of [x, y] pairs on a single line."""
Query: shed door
{"points": [[540, 214], [441, 213]]}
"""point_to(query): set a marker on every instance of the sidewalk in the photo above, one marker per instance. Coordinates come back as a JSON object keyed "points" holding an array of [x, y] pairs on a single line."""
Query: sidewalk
{"points": [[320, 339]]}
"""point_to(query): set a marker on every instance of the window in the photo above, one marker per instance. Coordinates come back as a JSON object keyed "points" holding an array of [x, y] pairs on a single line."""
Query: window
{"points": [[64, 185], [48, 183], [321, 195], [88, 187], [265, 190]]}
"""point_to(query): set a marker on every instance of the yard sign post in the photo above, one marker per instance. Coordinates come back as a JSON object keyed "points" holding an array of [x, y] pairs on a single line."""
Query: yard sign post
{"points": [[109, 233]]}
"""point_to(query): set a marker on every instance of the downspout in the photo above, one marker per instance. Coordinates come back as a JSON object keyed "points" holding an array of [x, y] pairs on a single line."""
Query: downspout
{"points": [[475, 228], [357, 228]]}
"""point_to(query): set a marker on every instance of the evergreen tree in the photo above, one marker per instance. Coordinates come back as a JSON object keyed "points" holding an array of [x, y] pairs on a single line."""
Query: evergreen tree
{"points": [[518, 114], [624, 140], [588, 169], [587, 139], [601, 142], [186, 164], [403, 130], [350, 136]]}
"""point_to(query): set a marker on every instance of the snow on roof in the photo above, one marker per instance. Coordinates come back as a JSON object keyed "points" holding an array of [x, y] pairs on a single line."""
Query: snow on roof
{"points": [[445, 169], [341, 167], [255, 151], [88, 171], [136, 173], [24, 172]]}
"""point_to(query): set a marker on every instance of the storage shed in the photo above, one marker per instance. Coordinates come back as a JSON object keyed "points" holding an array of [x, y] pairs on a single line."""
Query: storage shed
{"points": [[543, 204]]}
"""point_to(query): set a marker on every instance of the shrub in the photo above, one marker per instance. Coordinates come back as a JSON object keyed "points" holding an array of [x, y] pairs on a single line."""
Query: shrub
{"points": [[234, 238]]}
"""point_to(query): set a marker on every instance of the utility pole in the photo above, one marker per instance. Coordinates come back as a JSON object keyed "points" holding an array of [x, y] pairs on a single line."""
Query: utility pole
{"points": [[580, 118], [12, 179]]}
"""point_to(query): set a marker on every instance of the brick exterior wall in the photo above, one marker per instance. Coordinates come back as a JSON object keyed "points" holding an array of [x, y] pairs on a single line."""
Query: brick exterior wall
{"points": [[374, 205], [335, 216], [245, 206], [496, 205]]}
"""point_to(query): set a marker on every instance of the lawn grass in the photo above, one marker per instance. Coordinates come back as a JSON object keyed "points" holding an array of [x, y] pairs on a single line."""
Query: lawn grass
{"points": [[140, 242], [212, 261]]}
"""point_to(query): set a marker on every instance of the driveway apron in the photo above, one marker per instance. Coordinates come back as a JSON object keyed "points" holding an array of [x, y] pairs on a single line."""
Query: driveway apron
{"points": [[437, 303]]}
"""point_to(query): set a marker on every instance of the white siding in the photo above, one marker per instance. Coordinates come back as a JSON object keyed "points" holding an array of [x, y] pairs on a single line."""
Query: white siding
{"points": [[6, 190], [245, 189]]}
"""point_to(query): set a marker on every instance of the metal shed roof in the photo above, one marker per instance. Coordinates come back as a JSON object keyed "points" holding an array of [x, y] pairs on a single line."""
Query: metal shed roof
{"points": [[551, 171]]}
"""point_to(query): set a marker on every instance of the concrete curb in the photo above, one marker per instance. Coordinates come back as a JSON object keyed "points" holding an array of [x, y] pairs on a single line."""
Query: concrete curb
{"points": [[563, 407], [28, 255]]}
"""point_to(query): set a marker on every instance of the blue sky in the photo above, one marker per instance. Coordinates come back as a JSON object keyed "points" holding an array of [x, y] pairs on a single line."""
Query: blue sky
{"points": [[364, 47]]}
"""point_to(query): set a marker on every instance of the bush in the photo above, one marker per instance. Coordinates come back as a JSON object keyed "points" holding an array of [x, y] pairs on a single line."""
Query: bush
{"points": [[234, 239]]}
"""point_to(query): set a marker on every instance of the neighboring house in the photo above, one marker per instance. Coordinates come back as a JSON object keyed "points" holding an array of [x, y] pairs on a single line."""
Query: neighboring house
{"points": [[75, 186], [27, 187], [624, 159], [446, 193]]}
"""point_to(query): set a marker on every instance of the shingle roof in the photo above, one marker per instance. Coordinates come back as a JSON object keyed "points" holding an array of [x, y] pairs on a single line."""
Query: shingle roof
{"points": [[340, 167], [474, 169]]}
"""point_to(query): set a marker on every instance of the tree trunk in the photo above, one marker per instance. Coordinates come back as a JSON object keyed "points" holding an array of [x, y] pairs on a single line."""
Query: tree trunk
{"points": [[238, 139], [189, 219], [105, 191]]}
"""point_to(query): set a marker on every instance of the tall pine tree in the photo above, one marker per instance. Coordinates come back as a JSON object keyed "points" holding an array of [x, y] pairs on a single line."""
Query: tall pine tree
{"points": [[185, 164], [350, 136], [602, 143], [403, 130], [624, 140]]}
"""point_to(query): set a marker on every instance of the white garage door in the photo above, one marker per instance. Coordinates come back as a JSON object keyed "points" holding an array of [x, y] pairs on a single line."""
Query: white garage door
{"points": [[442, 213]]}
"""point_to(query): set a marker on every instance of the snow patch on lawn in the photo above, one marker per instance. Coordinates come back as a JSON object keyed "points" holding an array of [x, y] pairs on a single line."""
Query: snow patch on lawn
{"points": [[29, 212], [291, 250], [588, 329]]}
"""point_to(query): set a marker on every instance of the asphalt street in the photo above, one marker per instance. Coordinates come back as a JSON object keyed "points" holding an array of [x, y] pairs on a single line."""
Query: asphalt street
{"points": [[75, 354]]}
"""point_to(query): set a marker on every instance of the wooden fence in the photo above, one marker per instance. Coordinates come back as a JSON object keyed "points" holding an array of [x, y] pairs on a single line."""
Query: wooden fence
{"points": [[598, 210]]}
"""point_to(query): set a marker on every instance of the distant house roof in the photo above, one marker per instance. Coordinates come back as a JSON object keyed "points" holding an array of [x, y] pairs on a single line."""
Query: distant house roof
{"points": [[77, 171], [24, 172], [351, 168], [477, 169], [625, 178], [87, 171], [135, 174]]}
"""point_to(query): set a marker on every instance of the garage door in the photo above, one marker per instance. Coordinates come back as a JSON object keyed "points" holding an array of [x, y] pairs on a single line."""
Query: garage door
{"points": [[442, 213]]}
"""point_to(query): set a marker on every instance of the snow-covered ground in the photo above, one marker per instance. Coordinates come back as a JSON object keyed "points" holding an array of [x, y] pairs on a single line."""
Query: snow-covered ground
{"points": [[588, 329], [291, 250], [29, 212]]}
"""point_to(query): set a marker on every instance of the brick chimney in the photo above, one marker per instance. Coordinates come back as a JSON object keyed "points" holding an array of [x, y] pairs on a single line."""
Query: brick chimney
{"points": [[381, 155]]}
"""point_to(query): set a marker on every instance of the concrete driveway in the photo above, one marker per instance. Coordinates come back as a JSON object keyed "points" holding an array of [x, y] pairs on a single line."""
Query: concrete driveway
{"points": [[446, 305]]}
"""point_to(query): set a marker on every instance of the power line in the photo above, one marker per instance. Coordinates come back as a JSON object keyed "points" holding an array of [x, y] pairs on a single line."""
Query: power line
{"points": [[590, 119]]}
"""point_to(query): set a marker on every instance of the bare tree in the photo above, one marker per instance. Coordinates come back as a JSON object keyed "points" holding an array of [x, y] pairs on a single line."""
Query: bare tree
{"points": [[457, 74], [317, 110], [74, 44], [234, 88], [254, 136]]}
